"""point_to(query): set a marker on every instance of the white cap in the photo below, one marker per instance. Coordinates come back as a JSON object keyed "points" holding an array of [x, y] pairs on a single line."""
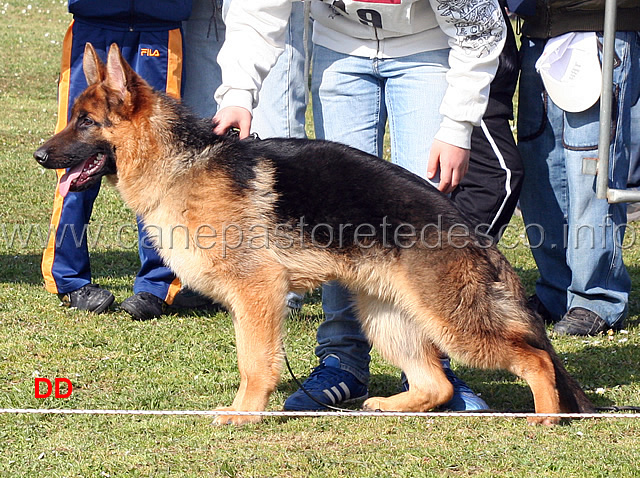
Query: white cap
{"points": [[570, 70]]}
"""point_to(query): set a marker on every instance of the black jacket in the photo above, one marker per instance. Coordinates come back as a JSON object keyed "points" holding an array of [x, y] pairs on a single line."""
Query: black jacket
{"points": [[556, 17], [132, 14]]}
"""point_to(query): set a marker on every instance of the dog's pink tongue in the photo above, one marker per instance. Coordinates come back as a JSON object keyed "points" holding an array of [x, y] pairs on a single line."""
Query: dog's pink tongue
{"points": [[67, 179]]}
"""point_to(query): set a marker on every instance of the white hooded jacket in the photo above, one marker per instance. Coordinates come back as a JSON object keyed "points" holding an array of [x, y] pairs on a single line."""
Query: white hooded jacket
{"points": [[473, 29]]}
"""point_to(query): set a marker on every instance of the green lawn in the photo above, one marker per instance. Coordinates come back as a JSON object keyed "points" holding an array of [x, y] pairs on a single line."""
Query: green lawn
{"points": [[187, 360]]}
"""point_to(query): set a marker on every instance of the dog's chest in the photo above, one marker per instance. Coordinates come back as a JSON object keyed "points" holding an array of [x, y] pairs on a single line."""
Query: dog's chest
{"points": [[170, 234]]}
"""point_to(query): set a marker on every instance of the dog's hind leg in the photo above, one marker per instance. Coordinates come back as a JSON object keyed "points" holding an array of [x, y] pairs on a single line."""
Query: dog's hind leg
{"points": [[258, 309], [535, 367], [403, 343], [554, 390]]}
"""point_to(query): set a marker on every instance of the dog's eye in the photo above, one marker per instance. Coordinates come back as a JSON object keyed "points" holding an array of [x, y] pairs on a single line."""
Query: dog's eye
{"points": [[85, 121]]}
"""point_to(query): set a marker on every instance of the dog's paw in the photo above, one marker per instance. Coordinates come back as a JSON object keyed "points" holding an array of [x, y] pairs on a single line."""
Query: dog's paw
{"points": [[545, 421], [377, 404], [234, 419]]}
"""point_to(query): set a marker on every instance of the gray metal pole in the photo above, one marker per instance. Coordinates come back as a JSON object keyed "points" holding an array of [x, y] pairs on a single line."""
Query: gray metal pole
{"points": [[608, 52]]}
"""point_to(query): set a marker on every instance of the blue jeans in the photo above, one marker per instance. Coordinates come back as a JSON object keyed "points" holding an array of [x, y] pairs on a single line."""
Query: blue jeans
{"points": [[634, 162], [352, 99], [204, 34], [282, 102], [283, 96], [576, 238]]}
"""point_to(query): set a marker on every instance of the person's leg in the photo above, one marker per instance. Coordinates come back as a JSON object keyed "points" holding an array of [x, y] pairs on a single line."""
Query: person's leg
{"points": [[414, 109], [283, 97], [633, 209], [204, 33], [65, 263], [282, 103], [489, 192], [414, 119], [544, 197], [634, 148], [342, 87], [600, 283], [66, 266], [355, 88], [155, 284]]}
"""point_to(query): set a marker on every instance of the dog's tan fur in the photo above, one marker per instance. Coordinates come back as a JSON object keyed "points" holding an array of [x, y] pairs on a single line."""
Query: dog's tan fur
{"points": [[413, 302]]}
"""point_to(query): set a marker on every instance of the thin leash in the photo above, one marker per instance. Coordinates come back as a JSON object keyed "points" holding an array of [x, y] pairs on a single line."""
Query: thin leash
{"points": [[306, 392]]}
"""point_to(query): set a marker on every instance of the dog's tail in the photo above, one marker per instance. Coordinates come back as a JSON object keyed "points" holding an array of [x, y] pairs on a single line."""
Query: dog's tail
{"points": [[572, 397]]}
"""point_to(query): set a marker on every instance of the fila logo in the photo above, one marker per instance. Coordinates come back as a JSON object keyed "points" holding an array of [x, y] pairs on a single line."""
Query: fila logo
{"points": [[149, 52]]}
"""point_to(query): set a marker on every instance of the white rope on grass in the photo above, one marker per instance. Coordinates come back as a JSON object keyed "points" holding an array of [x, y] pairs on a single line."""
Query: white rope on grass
{"points": [[355, 413]]}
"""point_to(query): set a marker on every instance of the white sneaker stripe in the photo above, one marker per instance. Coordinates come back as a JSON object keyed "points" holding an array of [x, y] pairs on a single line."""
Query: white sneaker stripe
{"points": [[347, 392], [330, 395], [338, 394]]}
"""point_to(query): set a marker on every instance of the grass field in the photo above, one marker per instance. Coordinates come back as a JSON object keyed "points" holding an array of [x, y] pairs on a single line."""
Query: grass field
{"points": [[187, 360]]}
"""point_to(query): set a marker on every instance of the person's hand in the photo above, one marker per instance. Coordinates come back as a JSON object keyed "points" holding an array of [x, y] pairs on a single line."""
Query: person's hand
{"points": [[451, 161], [232, 117]]}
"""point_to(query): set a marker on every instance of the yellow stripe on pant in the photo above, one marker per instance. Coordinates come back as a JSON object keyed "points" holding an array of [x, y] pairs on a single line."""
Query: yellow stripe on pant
{"points": [[63, 112]]}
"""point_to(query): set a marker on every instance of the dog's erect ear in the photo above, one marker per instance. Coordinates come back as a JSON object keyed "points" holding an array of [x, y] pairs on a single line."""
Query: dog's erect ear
{"points": [[93, 67], [119, 73]]}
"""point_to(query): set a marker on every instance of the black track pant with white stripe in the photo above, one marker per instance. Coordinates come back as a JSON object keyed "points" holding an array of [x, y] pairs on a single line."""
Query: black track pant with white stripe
{"points": [[488, 193]]}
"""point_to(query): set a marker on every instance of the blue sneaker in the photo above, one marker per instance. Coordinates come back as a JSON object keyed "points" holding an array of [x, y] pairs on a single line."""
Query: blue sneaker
{"points": [[463, 397], [328, 384], [294, 301]]}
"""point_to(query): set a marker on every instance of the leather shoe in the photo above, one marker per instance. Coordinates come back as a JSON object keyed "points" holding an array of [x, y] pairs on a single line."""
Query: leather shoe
{"points": [[581, 321], [143, 306], [89, 297]]}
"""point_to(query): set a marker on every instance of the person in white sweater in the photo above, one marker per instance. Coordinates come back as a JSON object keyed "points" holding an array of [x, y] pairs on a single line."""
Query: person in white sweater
{"points": [[425, 66]]}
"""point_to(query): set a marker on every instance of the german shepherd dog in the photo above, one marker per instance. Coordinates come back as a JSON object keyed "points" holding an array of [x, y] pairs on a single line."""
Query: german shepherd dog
{"points": [[250, 220]]}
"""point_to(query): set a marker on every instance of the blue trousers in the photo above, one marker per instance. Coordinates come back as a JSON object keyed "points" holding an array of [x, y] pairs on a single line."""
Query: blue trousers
{"points": [[577, 239], [157, 57]]}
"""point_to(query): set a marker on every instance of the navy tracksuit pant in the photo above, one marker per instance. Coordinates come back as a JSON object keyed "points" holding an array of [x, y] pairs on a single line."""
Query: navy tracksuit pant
{"points": [[157, 57]]}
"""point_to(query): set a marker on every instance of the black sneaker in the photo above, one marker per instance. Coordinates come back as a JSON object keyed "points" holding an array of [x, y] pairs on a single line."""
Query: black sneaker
{"points": [[538, 307], [581, 321], [189, 299], [143, 306], [89, 297]]}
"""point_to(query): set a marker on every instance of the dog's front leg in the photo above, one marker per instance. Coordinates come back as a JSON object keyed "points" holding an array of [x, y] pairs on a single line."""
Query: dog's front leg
{"points": [[258, 327]]}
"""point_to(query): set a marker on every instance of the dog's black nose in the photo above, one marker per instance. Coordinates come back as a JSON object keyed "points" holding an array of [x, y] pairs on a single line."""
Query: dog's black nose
{"points": [[41, 155]]}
